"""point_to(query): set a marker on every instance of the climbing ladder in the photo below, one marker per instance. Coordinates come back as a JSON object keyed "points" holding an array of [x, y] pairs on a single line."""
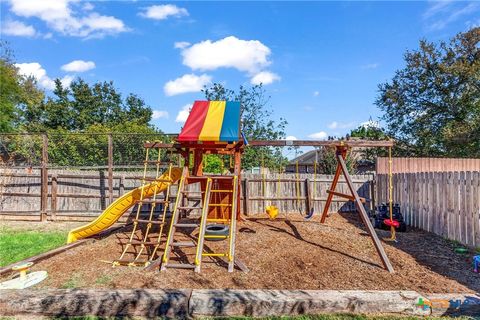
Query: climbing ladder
{"points": [[141, 240], [179, 215]]}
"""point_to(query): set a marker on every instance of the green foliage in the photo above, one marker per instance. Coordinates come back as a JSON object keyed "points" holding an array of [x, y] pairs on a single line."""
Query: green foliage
{"points": [[81, 106], [213, 164], [327, 161], [16, 245], [17, 93], [257, 123], [432, 106], [370, 131]]}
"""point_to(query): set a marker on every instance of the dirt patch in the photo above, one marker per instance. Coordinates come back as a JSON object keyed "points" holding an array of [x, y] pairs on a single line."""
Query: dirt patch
{"points": [[283, 254]]}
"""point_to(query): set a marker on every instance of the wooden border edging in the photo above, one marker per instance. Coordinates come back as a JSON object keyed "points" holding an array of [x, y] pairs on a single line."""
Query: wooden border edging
{"points": [[98, 302], [263, 303], [186, 303]]}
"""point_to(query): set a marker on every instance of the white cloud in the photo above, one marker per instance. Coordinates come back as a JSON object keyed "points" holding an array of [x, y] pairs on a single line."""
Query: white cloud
{"points": [[316, 93], [186, 83], [322, 135], [35, 69], [291, 138], [339, 125], [63, 16], [78, 66], [264, 77], [158, 114], [67, 80], [244, 55], [183, 113], [164, 11], [181, 44], [439, 14], [370, 66], [17, 28]]}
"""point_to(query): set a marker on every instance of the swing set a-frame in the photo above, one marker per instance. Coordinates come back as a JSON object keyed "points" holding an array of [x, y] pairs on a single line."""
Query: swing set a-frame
{"points": [[212, 127]]}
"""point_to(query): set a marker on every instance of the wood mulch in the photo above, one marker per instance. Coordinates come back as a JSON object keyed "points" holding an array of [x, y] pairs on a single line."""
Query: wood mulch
{"points": [[284, 254]]}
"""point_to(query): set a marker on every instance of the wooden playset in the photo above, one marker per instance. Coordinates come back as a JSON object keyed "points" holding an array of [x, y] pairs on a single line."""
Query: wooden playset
{"points": [[213, 127]]}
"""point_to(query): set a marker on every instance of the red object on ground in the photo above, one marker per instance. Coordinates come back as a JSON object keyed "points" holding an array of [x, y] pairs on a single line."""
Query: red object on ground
{"points": [[391, 223]]}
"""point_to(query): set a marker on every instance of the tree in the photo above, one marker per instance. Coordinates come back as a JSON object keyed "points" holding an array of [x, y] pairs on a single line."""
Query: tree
{"points": [[81, 106], [432, 106], [17, 93], [257, 123]]}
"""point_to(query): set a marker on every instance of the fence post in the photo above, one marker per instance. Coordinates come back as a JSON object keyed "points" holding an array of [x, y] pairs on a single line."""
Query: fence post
{"points": [[245, 197], [121, 187], [44, 179], [110, 167], [53, 203], [308, 202]]}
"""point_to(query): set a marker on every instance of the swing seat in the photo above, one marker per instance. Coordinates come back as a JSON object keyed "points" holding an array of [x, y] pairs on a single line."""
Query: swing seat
{"points": [[391, 223], [272, 211]]}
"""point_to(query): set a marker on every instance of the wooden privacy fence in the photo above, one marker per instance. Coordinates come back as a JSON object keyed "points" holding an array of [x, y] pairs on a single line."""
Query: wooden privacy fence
{"points": [[410, 165], [445, 203], [80, 196]]}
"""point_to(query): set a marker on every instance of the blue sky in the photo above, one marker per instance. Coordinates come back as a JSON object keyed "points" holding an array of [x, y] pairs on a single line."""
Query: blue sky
{"points": [[321, 62]]}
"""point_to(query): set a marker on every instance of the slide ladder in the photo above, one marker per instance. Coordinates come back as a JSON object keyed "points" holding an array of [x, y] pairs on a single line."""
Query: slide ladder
{"points": [[142, 242], [181, 221]]}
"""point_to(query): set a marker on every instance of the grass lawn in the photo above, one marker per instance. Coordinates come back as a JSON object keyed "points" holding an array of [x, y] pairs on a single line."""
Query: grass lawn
{"points": [[16, 245]]}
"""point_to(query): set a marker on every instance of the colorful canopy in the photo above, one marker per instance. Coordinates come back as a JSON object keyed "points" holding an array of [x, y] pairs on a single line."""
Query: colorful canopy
{"points": [[212, 121]]}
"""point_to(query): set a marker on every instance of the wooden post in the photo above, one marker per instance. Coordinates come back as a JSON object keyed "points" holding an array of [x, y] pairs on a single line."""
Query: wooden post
{"points": [[110, 167], [245, 196], [308, 200], [121, 186], [53, 203], [372, 194], [44, 179], [342, 151], [363, 215]]}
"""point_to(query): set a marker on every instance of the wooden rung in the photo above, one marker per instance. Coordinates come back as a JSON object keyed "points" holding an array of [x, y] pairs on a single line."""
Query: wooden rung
{"points": [[180, 266], [347, 196], [219, 205], [183, 244], [189, 208], [148, 221], [186, 225], [214, 254], [220, 190]]}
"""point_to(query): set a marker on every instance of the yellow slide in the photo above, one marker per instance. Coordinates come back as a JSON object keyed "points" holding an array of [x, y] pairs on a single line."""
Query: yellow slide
{"points": [[121, 205]]}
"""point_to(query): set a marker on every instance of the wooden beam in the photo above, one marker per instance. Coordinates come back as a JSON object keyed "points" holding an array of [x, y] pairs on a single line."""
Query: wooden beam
{"points": [[364, 216], [327, 143], [284, 143], [347, 196]]}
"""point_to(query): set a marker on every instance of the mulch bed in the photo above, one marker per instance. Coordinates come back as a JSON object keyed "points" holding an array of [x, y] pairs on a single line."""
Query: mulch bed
{"points": [[284, 254]]}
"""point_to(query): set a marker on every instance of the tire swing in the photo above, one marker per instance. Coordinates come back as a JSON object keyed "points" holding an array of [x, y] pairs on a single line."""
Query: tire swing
{"points": [[217, 232]]}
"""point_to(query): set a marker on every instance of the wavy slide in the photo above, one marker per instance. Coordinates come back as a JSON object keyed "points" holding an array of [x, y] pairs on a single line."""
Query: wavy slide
{"points": [[121, 205]]}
